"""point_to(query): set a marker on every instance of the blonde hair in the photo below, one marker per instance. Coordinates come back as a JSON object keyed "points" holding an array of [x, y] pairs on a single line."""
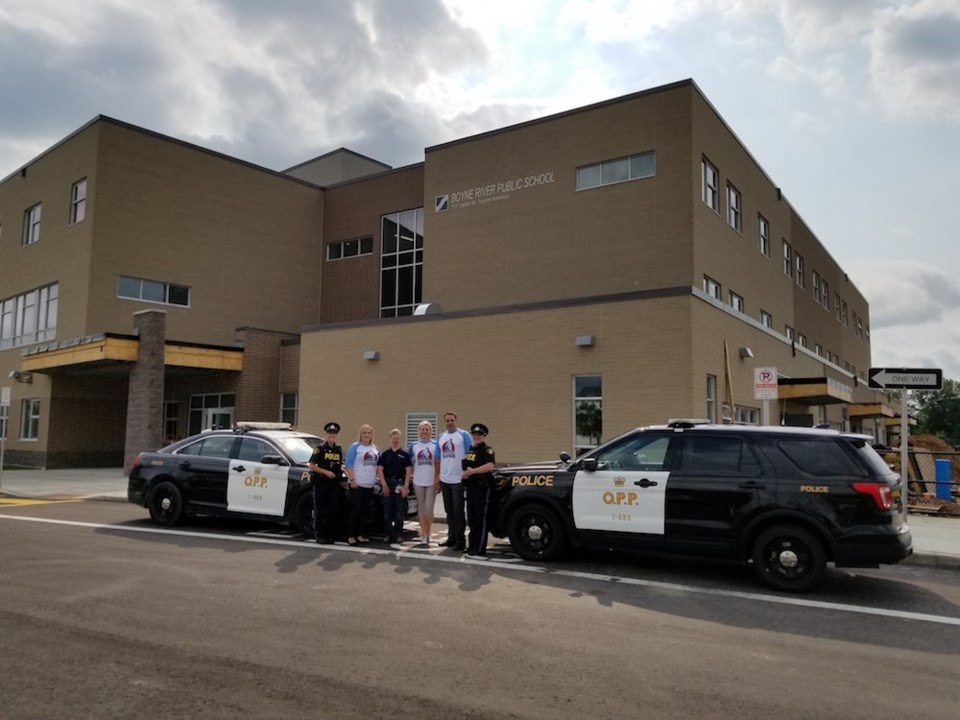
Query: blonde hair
{"points": [[423, 424], [396, 431], [360, 432]]}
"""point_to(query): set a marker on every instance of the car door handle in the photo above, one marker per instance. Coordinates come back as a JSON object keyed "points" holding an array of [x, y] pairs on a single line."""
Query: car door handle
{"points": [[240, 468], [752, 485], [645, 483], [185, 465]]}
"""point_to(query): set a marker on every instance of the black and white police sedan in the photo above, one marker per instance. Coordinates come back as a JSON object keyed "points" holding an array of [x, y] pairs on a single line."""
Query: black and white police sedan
{"points": [[256, 470], [789, 500]]}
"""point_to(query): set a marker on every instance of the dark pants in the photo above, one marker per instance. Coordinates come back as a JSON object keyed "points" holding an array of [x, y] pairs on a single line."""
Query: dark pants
{"points": [[394, 510], [326, 507], [478, 506], [360, 498], [453, 508]]}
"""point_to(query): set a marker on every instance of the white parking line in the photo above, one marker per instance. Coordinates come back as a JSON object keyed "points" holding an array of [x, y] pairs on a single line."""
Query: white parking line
{"points": [[523, 568]]}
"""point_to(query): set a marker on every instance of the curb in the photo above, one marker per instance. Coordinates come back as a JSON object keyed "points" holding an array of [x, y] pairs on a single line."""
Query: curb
{"points": [[939, 561]]}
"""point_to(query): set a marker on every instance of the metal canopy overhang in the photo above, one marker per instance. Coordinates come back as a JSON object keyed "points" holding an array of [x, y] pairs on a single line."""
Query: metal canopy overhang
{"points": [[112, 355], [814, 391], [871, 410]]}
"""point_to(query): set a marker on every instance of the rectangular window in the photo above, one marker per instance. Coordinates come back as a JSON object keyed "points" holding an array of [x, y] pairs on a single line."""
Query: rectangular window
{"points": [[4, 414], [350, 248], [211, 411], [401, 263], [710, 181], [587, 412], [764, 231], [818, 349], [801, 278], [712, 398], [31, 225], [711, 287], [747, 415], [787, 259], [29, 317], [78, 201], [789, 333], [30, 419], [288, 408], [736, 302], [801, 340], [152, 291], [734, 208], [843, 314], [859, 327], [619, 170], [826, 295], [816, 286], [836, 306], [171, 411], [766, 319]]}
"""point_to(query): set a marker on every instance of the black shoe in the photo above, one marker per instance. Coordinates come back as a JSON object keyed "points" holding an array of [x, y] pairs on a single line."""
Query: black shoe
{"points": [[447, 543], [459, 548]]}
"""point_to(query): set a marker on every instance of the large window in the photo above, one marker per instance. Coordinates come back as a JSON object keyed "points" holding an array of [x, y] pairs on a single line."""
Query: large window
{"points": [[587, 412], [30, 419], [78, 201], [710, 181], [401, 263], [31, 225], [29, 317], [734, 208], [213, 411], [763, 228], [622, 169], [350, 248], [152, 291], [288, 408]]}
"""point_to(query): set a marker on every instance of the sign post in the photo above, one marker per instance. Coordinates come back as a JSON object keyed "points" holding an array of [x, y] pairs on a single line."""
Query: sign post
{"points": [[4, 403], [765, 388], [904, 379]]}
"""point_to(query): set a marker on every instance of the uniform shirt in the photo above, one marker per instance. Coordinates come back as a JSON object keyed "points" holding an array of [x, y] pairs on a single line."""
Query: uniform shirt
{"points": [[453, 446], [424, 455], [476, 456], [327, 457], [394, 463], [362, 459]]}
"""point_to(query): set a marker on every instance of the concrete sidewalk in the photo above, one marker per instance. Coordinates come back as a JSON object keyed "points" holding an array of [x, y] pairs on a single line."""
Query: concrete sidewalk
{"points": [[936, 540]]}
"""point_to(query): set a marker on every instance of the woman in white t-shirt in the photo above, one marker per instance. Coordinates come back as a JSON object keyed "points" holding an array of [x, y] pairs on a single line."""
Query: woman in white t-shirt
{"points": [[425, 456], [360, 467]]}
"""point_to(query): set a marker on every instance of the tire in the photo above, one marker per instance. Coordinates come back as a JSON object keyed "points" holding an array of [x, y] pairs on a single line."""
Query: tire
{"points": [[165, 504], [536, 532], [303, 515], [789, 558]]}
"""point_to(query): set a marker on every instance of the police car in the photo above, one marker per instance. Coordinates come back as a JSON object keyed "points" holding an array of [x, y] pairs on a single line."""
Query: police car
{"points": [[787, 500]]}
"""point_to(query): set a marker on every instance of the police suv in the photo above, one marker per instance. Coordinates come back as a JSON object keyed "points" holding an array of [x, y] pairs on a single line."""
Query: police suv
{"points": [[789, 500]]}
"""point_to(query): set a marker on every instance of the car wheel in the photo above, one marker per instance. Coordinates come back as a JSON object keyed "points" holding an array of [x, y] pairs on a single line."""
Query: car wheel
{"points": [[535, 532], [303, 515], [166, 504], [788, 557]]}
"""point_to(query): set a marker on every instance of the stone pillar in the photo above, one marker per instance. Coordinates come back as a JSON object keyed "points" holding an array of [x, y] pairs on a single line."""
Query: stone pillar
{"points": [[145, 396]]}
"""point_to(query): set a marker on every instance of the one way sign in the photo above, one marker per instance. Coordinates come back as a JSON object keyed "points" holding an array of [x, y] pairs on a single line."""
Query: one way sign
{"points": [[905, 378]]}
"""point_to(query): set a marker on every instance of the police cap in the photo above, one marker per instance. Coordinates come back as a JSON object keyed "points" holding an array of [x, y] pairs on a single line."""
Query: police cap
{"points": [[478, 429], [331, 427]]}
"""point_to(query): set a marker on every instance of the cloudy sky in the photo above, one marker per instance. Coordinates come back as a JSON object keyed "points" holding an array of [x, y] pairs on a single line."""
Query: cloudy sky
{"points": [[851, 106]]}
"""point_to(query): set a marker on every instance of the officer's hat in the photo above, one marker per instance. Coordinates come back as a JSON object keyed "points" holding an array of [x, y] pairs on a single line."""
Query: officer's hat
{"points": [[478, 429], [331, 427]]}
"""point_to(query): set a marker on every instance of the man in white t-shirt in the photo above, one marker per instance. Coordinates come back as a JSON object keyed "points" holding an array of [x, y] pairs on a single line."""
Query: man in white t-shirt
{"points": [[453, 445]]}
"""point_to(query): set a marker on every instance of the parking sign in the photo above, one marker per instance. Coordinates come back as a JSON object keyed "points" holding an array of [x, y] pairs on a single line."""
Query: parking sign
{"points": [[765, 383]]}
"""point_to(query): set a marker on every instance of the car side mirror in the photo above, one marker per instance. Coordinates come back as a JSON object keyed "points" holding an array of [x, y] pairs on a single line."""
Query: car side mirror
{"points": [[272, 460], [564, 457], [589, 464]]}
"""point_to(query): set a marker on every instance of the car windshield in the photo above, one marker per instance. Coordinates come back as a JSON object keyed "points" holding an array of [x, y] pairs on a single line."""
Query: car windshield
{"points": [[300, 448]]}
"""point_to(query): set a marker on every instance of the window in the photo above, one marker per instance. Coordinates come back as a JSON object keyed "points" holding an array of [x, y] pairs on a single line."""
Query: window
{"points": [[646, 451], [736, 302], [801, 340], [711, 287], [31, 225], [622, 169], [712, 398], [789, 332], [252, 449], [401, 263], [734, 208], [717, 454], [843, 314], [152, 291], [78, 201], [766, 319], [710, 179], [816, 286], [818, 349], [748, 415], [171, 411], [822, 458], [210, 411], [801, 278], [29, 317], [219, 446], [288, 408], [587, 412], [350, 248], [4, 413], [30, 419], [764, 232], [836, 306], [859, 332], [826, 295], [787, 259]]}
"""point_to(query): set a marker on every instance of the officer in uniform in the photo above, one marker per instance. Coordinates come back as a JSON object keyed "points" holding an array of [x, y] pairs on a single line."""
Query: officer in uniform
{"points": [[478, 467], [327, 473]]}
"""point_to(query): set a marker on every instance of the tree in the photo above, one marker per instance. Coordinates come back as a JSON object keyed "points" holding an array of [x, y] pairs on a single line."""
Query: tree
{"points": [[938, 411]]}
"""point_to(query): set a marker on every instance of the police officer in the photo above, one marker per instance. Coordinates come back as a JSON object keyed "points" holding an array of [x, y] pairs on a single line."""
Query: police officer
{"points": [[478, 466], [327, 473]]}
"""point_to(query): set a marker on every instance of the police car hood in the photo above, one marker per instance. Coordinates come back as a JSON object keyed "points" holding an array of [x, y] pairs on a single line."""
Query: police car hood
{"points": [[534, 467]]}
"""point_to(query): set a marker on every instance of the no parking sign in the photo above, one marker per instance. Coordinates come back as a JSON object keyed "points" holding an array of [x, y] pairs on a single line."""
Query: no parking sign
{"points": [[765, 383]]}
